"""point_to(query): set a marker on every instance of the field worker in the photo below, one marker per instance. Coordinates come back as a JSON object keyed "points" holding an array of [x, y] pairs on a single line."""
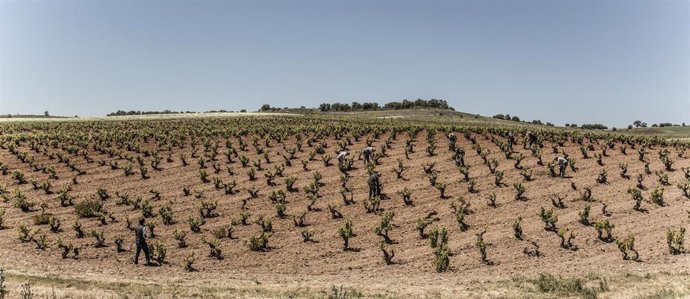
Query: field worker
{"points": [[511, 140], [341, 157], [459, 157], [140, 232], [452, 138], [374, 185], [368, 154], [531, 138], [562, 164]]}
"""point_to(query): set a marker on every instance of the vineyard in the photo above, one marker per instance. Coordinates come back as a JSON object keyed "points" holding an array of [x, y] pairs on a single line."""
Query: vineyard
{"points": [[264, 197]]}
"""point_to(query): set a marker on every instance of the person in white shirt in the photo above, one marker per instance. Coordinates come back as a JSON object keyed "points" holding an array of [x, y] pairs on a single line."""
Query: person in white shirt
{"points": [[562, 164], [341, 157]]}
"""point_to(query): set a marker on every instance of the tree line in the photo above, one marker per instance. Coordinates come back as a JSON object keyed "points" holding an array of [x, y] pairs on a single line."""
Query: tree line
{"points": [[370, 106]]}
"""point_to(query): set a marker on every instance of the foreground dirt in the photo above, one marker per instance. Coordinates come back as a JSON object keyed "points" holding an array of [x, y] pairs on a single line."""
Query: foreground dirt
{"points": [[309, 269]]}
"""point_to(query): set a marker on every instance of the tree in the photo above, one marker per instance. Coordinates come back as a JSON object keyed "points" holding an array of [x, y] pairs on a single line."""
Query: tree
{"points": [[637, 123], [46, 113], [265, 107]]}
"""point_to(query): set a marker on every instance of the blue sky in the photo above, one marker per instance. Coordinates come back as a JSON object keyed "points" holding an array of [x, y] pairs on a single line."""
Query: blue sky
{"points": [[566, 61]]}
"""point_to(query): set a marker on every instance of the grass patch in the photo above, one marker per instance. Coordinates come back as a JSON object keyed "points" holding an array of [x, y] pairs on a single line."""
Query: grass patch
{"points": [[565, 287]]}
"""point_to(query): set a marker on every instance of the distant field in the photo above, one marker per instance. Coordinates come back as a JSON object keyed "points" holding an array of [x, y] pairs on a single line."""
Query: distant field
{"points": [[668, 132], [424, 115], [137, 117]]}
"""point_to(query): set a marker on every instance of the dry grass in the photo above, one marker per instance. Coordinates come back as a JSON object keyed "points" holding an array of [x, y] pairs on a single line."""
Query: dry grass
{"points": [[661, 285]]}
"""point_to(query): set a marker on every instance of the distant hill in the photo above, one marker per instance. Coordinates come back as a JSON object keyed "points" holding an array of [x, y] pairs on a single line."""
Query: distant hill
{"points": [[33, 116]]}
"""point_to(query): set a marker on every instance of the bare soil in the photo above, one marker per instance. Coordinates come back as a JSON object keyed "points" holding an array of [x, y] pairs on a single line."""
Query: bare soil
{"points": [[309, 269]]}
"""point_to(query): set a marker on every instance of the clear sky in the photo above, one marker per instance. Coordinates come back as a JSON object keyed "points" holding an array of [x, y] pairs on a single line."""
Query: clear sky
{"points": [[610, 61]]}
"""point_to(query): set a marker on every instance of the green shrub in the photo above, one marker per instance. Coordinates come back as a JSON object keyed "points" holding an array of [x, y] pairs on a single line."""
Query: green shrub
{"points": [[189, 263], [685, 187], [207, 209], [21, 202], [441, 187], [166, 213], [19, 177], [372, 205], [119, 244], [587, 195], [584, 215], [549, 219], [385, 226], [195, 224], [520, 191], [25, 234], [42, 219], [346, 233], [674, 240], [602, 178], [442, 260], [40, 240], [517, 228], [388, 255], [658, 196], [54, 224], [438, 237], [66, 249], [481, 247], [89, 208], [526, 175], [604, 227], [566, 243], [203, 175], [214, 249], [307, 235], [180, 238], [158, 252], [625, 246], [78, 229], [99, 236], [471, 186], [259, 243], [624, 170]]}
